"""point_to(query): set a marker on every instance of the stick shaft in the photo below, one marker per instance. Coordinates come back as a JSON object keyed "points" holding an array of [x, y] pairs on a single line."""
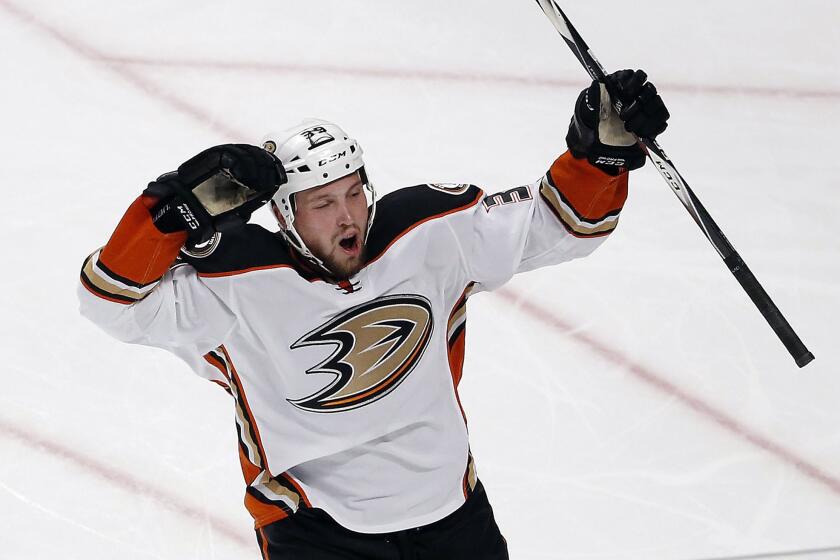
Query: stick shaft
{"points": [[692, 204]]}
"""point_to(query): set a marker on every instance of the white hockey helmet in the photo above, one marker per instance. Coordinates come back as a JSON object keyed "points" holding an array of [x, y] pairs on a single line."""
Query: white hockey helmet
{"points": [[314, 153]]}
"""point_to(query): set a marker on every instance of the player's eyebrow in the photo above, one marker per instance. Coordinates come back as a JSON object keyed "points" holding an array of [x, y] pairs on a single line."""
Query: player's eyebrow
{"points": [[322, 195]]}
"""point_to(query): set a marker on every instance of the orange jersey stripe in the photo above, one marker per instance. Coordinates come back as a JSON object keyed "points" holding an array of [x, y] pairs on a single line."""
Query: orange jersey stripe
{"points": [[455, 351], [263, 541], [250, 471], [591, 193], [456, 357], [456, 366], [263, 513], [137, 250], [246, 407], [214, 361]]}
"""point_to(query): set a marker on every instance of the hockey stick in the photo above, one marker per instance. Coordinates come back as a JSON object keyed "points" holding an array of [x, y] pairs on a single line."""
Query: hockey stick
{"points": [[669, 172]]}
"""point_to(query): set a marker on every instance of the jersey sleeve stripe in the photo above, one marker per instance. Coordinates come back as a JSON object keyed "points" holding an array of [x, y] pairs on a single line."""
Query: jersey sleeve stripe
{"points": [[584, 199], [105, 295], [590, 193], [104, 271], [123, 283], [98, 282], [548, 183], [570, 219]]}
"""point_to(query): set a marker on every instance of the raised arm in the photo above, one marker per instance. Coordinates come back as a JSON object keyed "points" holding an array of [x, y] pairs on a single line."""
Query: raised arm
{"points": [[571, 210], [133, 287]]}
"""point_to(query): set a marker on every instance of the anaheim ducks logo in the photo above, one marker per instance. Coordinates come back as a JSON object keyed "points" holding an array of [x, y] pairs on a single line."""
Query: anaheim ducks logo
{"points": [[377, 345]]}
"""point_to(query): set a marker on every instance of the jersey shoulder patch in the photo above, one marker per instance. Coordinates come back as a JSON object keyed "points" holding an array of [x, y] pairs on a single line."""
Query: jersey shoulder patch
{"points": [[450, 188], [400, 211], [241, 250]]}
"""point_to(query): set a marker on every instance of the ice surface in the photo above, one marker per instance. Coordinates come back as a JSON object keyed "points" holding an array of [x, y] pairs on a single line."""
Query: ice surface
{"points": [[632, 405]]}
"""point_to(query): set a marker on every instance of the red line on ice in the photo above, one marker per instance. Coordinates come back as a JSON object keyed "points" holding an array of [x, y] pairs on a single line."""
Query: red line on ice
{"points": [[660, 383], [142, 83], [459, 77], [123, 480], [121, 65]]}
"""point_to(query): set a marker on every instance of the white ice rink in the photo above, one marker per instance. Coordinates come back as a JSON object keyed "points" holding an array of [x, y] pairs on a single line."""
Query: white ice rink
{"points": [[631, 405]]}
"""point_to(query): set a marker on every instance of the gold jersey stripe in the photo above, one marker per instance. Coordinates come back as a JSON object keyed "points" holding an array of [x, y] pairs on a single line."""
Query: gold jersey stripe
{"points": [[570, 220]]}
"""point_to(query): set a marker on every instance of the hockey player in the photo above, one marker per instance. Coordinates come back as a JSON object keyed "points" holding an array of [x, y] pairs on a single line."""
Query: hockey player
{"points": [[341, 337]]}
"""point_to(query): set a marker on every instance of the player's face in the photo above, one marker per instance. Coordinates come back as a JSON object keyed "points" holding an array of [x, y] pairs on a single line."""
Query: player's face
{"points": [[332, 221]]}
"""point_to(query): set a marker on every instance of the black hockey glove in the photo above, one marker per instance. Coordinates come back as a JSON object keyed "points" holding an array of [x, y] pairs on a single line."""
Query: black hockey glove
{"points": [[216, 190], [606, 138]]}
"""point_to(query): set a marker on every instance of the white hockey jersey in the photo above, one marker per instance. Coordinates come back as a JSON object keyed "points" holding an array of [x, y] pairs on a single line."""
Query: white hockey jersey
{"points": [[346, 396]]}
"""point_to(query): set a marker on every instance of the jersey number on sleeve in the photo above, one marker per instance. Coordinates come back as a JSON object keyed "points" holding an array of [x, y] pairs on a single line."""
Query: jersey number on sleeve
{"points": [[507, 197]]}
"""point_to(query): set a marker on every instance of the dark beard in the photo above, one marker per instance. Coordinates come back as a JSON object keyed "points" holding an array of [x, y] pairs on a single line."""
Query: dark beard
{"points": [[340, 271]]}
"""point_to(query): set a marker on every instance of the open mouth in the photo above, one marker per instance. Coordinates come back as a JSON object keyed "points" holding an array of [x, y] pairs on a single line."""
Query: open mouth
{"points": [[350, 243]]}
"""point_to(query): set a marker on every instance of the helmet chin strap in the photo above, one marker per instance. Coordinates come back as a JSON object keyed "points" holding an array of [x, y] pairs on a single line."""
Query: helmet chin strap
{"points": [[372, 190], [293, 238]]}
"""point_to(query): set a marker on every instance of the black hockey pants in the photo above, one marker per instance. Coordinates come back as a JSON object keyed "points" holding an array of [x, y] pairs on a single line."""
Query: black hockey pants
{"points": [[470, 533]]}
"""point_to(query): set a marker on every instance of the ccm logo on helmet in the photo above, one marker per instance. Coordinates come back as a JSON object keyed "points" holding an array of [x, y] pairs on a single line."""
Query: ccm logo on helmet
{"points": [[377, 344], [332, 158]]}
